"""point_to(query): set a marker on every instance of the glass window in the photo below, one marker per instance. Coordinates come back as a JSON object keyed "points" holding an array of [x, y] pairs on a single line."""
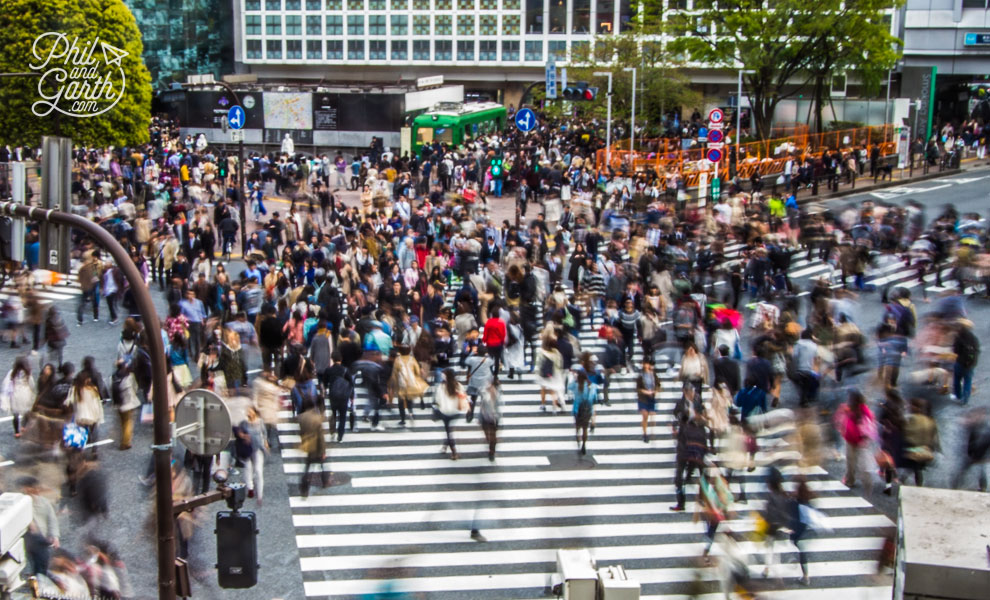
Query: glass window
{"points": [[465, 49], [534, 50], [335, 49], [355, 50], [558, 16], [627, 15], [581, 17], [376, 49], [443, 26], [510, 4], [580, 51], [489, 4], [558, 51], [273, 4], [465, 5], [488, 50], [293, 25], [313, 5], [273, 49], [421, 49], [510, 25], [442, 50], [293, 5], [335, 25], [421, 25], [314, 25], [293, 49], [605, 16], [252, 25], [355, 5], [443, 4], [534, 17], [355, 26], [489, 25], [510, 51], [400, 49], [252, 4], [254, 48], [273, 25], [376, 25], [400, 24], [314, 49], [376, 4], [974, 4], [421, 4], [400, 4], [335, 4], [465, 24]]}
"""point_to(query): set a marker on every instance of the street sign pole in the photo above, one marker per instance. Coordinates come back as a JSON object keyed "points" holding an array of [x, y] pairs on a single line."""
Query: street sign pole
{"points": [[608, 119]]}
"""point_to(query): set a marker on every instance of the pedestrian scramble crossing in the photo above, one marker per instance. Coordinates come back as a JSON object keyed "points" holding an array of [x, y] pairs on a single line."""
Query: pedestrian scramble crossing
{"points": [[403, 522], [45, 289]]}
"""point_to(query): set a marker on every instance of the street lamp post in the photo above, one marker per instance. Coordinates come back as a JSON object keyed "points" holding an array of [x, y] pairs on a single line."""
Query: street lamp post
{"points": [[914, 133], [739, 113], [632, 119], [608, 118]]}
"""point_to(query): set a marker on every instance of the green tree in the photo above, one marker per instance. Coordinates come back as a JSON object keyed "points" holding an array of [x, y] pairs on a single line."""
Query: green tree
{"points": [[21, 22], [785, 45], [661, 82]]}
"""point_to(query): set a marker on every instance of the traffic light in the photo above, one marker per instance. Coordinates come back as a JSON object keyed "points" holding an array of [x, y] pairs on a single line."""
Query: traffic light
{"points": [[497, 168], [580, 92], [222, 167]]}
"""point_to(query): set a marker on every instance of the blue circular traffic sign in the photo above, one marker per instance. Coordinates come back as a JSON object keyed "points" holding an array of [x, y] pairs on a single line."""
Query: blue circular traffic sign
{"points": [[715, 136], [526, 119], [236, 117], [714, 155]]}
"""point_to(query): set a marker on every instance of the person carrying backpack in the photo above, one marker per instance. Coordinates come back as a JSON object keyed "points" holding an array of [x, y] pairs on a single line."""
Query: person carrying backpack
{"points": [[967, 350], [585, 396], [685, 317], [339, 383], [123, 392]]}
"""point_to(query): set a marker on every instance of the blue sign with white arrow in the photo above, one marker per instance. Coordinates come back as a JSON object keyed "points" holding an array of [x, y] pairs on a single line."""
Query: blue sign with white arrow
{"points": [[525, 119], [236, 117]]}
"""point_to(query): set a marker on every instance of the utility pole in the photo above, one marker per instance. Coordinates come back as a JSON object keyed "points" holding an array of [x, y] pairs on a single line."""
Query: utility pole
{"points": [[608, 118], [162, 446]]}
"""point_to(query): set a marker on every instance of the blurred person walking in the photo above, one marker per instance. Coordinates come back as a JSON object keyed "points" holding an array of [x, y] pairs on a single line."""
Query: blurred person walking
{"points": [[18, 392]]}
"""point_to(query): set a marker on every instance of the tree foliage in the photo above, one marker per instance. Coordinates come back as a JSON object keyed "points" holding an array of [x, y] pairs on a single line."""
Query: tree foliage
{"points": [[21, 22], [661, 84], [787, 44]]}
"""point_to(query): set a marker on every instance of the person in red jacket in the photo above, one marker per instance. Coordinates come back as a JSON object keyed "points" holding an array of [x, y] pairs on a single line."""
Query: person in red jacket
{"points": [[493, 338]]}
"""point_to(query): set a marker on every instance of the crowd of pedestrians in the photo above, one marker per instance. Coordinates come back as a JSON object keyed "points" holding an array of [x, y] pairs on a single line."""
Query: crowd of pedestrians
{"points": [[425, 303]]}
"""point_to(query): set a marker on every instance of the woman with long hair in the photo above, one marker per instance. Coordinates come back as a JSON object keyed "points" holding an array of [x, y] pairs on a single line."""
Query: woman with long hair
{"points": [[585, 396], [451, 402], [17, 392], [85, 401]]}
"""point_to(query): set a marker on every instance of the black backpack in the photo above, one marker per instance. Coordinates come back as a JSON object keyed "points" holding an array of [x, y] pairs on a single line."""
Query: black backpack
{"points": [[341, 390]]}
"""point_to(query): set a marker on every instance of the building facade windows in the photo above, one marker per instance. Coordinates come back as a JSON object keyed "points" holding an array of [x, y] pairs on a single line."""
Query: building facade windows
{"points": [[376, 4], [399, 5], [421, 4], [510, 25], [314, 49], [355, 50], [558, 16], [534, 50], [400, 24], [314, 25], [273, 49], [293, 5], [534, 17], [465, 49], [443, 25], [489, 4], [557, 50], [273, 5], [252, 4], [605, 16], [293, 49], [376, 50], [314, 5], [335, 49], [355, 4], [355, 26], [293, 25], [465, 24], [376, 25], [421, 25], [581, 18], [335, 4], [465, 5], [442, 50], [421, 49], [488, 25], [400, 50], [254, 49], [252, 25], [510, 51], [488, 50]]}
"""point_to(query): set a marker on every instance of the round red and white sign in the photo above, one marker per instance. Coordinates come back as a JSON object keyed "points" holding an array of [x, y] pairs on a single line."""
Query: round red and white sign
{"points": [[716, 115]]}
